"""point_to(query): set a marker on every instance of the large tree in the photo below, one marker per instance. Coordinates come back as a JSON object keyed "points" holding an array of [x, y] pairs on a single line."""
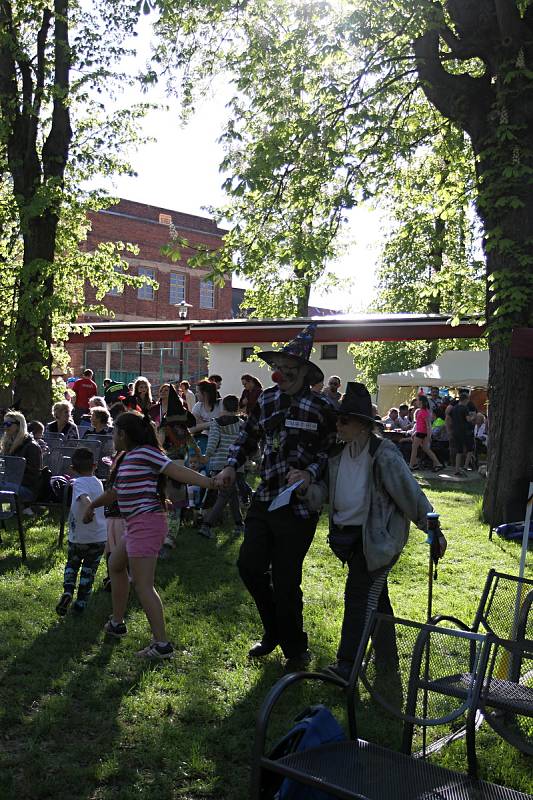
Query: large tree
{"points": [[56, 58], [374, 88]]}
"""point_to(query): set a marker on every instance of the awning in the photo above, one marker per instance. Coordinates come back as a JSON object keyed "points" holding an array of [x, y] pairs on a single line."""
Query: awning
{"points": [[337, 328]]}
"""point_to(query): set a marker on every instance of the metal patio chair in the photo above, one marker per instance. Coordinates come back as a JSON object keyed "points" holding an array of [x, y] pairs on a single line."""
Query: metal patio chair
{"points": [[107, 451], [360, 769], [505, 613], [11, 475]]}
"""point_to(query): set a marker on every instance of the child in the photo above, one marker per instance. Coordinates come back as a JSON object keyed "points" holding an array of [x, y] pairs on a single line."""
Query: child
{"points": [[116, 525], [138, 491], [222, 434], [180, 446], [86, 543]]}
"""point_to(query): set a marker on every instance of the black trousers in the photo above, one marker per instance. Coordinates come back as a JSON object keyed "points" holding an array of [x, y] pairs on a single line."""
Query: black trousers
{"points": [[365, 592], [270, 565]]}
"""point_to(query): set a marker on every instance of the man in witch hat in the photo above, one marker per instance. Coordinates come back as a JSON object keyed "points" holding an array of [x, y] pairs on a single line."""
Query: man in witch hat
{"points": [[297, 429]]}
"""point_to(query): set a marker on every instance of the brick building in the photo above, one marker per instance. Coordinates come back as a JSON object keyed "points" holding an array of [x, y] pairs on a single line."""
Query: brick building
{"points": [[148, 228]]}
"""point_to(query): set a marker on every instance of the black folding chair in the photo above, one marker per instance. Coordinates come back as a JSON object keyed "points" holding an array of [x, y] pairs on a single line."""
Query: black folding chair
{"points": [[107, 452], [11, 475], [404, 688]]}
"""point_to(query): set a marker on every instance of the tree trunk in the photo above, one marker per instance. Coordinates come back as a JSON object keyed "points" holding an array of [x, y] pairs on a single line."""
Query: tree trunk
{"points": [[510, 452], [33, 376]]}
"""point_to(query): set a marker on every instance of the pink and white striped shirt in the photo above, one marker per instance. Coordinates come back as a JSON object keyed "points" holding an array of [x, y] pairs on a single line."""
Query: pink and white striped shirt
{"points": [[136, 481]]}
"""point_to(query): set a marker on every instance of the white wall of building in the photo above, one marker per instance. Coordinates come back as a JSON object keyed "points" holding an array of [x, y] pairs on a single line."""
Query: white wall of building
{"points": [[226, 360]]}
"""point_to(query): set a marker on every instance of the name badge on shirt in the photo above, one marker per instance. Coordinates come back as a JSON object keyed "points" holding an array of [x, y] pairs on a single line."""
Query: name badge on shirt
{"points": [[304, 426]]}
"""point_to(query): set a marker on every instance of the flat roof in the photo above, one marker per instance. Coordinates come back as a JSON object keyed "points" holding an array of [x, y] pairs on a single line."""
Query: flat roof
{"points": [[335, 328]]}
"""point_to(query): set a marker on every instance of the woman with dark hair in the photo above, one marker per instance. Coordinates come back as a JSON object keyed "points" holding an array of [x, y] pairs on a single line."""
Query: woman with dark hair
{"points": [[422, 435], [206, 409], [138, 490], [252, 389], [142, 392]]}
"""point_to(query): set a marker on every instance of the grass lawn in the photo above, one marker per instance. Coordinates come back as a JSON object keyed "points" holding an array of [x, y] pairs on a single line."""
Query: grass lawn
{"points": [[82, 718]]}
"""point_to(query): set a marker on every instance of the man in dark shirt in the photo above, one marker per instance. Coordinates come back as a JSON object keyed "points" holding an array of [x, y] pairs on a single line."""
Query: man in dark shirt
{"points": [[463, 415], [297, 428]]}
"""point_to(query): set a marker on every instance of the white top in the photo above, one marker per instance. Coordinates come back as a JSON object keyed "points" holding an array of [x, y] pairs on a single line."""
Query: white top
{"points": [[203, 414], [352, 486], [80, 532], [191, 399]]}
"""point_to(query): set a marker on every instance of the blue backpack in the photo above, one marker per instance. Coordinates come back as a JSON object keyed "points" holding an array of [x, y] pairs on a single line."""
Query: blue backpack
{"points": [[314, 726]]}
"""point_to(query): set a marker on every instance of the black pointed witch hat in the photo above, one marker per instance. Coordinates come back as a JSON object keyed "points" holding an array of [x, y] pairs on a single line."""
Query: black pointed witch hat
{"points": [[176, 411]]}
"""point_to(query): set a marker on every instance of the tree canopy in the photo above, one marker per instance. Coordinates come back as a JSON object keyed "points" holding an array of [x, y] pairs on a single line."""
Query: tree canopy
{"points": [[57, 64], [332, 99]]}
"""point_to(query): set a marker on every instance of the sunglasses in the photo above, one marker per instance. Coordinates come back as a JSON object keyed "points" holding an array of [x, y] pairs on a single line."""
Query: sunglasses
{"points": [[8, 423], [334, 385], [285, 370]]}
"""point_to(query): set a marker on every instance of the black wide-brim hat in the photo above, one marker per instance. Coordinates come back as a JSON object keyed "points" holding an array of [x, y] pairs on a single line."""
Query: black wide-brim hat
{"points": [[356, 402], [300, 349], [176, 411]]}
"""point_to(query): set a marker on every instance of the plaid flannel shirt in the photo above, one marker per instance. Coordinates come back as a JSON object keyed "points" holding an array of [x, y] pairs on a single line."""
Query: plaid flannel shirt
{"points": [[298, 432]]}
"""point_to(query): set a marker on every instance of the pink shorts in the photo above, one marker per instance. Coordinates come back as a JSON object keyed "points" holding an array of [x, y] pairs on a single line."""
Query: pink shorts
{"points": [[145, 534], [116, 528]]}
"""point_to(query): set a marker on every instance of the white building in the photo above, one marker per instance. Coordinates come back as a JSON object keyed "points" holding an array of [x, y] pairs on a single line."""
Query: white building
{"points": [[231, 361]]}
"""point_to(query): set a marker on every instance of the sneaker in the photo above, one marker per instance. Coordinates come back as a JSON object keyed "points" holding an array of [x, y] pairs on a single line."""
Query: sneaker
{"points": [[64, 601], [115, 629], [156, 651], [298, 663], [207, 531], [79, 606], [339, 669]]}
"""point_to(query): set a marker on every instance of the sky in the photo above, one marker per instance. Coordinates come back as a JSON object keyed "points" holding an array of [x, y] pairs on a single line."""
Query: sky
{"points": [[180, 171]]}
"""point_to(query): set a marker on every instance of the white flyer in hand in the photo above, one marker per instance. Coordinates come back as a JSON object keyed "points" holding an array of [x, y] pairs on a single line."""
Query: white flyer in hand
{"points": [[283, 499]]}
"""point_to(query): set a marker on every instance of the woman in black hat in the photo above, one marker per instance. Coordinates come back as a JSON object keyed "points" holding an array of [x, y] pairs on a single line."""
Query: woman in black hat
{"points": [[372, 497]]}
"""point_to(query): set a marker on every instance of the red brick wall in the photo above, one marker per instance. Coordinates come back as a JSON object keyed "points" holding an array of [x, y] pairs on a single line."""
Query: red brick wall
{"points": [[138, 224]]}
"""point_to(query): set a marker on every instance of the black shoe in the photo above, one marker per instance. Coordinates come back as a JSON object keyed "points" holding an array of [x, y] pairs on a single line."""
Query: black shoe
{"points": [[115, 629], [298, 663], [339, 669], [64, 601], [79, 606], [262, 648]]}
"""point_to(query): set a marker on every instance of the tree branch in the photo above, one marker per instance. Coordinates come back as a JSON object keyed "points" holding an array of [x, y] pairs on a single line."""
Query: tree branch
{"points": [[461, 98], [56, 146]]}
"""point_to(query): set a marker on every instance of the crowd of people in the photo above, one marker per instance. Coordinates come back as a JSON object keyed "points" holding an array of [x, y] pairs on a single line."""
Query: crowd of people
{"points": [[440, 428], [178, 450]]}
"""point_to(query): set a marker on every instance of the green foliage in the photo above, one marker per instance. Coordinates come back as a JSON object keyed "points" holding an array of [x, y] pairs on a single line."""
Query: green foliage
{"points": [[333, 100], [58, 80]]}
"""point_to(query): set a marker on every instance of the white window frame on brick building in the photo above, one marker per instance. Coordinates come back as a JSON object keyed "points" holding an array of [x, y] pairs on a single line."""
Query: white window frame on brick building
{"points": [[146, 292], [177, 288], [207, 294], [116, 291]]}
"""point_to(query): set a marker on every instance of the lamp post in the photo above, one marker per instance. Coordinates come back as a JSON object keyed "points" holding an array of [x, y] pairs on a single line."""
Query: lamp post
{"points": [[183, 311]]}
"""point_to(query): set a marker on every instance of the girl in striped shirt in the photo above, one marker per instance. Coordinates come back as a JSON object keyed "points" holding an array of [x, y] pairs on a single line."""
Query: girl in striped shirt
{"points": [[139, 492]]}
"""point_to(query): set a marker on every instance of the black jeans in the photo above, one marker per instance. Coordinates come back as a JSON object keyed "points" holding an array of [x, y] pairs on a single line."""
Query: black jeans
{"points": [[270, 565], [364, 592]]}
